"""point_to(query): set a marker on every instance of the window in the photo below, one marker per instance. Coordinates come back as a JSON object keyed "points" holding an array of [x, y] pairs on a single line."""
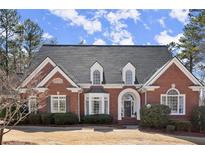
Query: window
{"points": [[96, 77], [175, 101], [96, 103], [128, 77], [32, 104], [128, 74], [58, 103]]}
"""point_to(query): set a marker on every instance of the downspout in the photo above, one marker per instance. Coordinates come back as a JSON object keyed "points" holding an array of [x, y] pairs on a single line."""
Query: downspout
{"points": [[146, 97], [79, 92]]}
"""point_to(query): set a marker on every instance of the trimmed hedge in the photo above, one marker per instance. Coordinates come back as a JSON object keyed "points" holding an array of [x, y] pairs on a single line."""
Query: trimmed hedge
{"points": [[154, 116], [182, 125], [34, 118], [65, 118], [170, 128], [47, 118], [198, 118], [97, 119]]}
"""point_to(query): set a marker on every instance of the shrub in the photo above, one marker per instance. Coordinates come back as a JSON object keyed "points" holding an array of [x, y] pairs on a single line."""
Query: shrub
{"points": [[170, 128], [198, 118], [65, 118], [34, 119], [97, 119], [182, 125], [47, 118], [154, 116]]}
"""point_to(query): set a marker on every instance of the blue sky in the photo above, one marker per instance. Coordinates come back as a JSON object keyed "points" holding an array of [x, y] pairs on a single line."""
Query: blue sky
{"points": [[119, 27]]}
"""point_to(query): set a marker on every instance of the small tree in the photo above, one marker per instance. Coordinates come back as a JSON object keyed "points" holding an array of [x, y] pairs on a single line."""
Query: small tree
{"points": [[13, 106]]}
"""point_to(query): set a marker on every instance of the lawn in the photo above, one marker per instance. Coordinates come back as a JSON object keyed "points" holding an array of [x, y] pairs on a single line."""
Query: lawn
{"points": [[90, 136]]}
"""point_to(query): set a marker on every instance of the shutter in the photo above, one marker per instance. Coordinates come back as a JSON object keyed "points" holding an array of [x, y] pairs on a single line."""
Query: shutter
{"points": [[49, 104], [67, 104]]}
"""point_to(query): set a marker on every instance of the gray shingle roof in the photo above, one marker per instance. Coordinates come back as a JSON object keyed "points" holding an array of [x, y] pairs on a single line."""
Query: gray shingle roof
{"points": [[76, 60]]}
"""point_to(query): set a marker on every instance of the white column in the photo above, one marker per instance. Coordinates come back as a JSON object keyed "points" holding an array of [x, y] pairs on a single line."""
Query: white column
{"points": [[103, 105], [201, 97]]}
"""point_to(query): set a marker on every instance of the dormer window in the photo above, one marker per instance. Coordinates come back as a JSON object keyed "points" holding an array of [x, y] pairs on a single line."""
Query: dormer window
{"points": [[96, 74], [96, 77], [128, 74], [128, 77]]}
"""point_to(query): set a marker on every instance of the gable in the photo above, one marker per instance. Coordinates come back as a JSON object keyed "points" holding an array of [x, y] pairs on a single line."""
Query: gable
{"points": [[61, 73], [39, 73], [178, 66]]}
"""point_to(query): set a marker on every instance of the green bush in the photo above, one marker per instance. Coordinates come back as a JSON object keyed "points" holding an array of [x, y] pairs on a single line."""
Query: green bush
{"points": [[2, 113], [34, 118], [170, 128], [183, 125], [154, 116], [97, 119], [47, 118], [198, 118], [65, 118]]}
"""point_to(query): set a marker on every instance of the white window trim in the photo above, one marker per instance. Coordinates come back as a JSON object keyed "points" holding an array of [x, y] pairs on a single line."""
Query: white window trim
{"points": [[51, 105], [101, 95], [127, 67], [96, 66], [183, 95], [29, 103]]}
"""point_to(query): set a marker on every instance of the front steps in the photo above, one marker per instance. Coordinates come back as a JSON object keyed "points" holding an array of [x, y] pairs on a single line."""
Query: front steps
{"points": [[128, 121]]}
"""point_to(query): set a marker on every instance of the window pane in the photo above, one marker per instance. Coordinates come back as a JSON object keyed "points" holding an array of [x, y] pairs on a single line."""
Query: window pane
{"points": [[62, 105], [163, 100], [96, 105], [172, 102], [128, 77], [181, 104], [55, 105], [32, 104], [96, 77], [172, 92]]}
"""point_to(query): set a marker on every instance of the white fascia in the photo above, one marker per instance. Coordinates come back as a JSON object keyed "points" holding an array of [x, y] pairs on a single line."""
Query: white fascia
{"points": [[96, 66], [166, 66], [130, 67], [52, 73], [37, 70]]}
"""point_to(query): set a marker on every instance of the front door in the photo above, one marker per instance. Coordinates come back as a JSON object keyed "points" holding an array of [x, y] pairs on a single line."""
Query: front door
{"points": [[127, 108]]}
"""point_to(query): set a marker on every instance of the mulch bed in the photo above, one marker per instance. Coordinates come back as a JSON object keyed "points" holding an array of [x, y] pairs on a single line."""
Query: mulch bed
{"points": [[18, 143]]}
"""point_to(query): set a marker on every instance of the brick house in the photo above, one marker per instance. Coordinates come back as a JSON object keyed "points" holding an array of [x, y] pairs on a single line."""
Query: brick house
{"points": [[116, 80]]}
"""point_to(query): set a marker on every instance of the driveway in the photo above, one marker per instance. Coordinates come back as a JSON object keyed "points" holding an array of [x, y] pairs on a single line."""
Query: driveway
{"points": [[94, 135]]}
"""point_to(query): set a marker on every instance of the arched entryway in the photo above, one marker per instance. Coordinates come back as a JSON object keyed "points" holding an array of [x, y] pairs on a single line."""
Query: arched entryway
{"points": [[129, 104]]}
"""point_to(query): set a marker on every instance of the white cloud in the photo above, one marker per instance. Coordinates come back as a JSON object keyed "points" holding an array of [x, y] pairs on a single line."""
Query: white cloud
{"points": [[114, 17], [146, 27], [119, 34], [161, 22], [47, 36], [99, 42], [89, 25], [164, 38], [180, 15]]}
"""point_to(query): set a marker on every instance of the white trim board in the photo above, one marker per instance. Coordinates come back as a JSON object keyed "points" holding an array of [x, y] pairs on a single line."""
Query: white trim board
{"points": [[166, 66], [53, 72], [37, 70]]}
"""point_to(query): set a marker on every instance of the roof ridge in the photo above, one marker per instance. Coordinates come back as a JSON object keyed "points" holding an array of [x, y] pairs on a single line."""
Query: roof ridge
{"points": [[86, 45]]}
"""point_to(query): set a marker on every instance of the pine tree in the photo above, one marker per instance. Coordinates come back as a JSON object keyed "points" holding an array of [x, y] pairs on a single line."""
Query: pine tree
{"points": [[32, 38], [190, 42], [8, 21]]}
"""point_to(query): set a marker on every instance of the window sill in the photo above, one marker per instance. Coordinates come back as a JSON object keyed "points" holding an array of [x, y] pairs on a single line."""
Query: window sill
{"points": [[180, 114]]}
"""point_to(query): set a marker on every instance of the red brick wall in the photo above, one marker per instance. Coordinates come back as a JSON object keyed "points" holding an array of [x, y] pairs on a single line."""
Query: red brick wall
{"points": [[38, 77], [54, 88], [173, 75]]}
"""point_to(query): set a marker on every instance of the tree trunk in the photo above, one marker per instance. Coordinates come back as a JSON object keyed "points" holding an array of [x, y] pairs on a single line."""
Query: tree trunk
{"points": [[190, 63], [1, 136]]}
